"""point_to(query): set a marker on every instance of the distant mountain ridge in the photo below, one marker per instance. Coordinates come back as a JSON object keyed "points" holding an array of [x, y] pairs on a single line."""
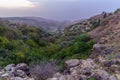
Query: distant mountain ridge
{"points": [[46, 24]]}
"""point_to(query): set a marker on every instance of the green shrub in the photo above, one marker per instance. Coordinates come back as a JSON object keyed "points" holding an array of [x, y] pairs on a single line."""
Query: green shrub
{"points": [[31, 43], [117, 11], [3, 41], [83, 37]]}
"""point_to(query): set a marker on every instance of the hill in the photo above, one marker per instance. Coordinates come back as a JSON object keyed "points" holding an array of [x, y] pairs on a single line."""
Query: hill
{"points": [[46, 24], [104, 62]]}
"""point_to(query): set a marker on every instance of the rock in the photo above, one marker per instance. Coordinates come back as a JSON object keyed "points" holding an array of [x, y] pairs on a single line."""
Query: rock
{"points": [[69, 77], [2, 72], [18, 78], [117, 56], [24, 67], [57, 75], [117, 61], [97, 47], [89, 70], [66, 77], [6, 75], [102, 49], [103, 41], [62, 78], [109, 63], [72, 62], [101, 75], [88, 63], [53, 78], [112, 78], [12, 72], [106, 50], [100, 59], [9, 67], [118, 76], [115, 68], [21, 73]]}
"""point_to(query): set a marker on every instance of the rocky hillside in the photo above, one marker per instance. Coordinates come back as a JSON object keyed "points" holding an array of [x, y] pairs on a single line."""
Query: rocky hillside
{"points": [[46, 24], [103, 27], [104, 62]]}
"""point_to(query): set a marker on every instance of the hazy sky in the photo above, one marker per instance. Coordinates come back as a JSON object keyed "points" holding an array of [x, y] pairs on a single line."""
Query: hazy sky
{"points": [[57, 9]]}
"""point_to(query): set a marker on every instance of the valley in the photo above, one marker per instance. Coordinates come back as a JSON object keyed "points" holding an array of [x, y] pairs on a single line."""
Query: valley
{"points": [[34, 48]]}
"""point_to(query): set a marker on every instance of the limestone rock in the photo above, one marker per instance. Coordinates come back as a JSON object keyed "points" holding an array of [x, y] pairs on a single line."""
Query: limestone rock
{"points": [[21, 73], [72, 62], [9, 67], [13, 72], [118, 76], [22, 66]]}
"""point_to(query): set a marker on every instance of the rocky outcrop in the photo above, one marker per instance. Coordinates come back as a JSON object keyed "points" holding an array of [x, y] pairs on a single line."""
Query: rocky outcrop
{"points": [[15, 72], [89, 69], [101, 50]]}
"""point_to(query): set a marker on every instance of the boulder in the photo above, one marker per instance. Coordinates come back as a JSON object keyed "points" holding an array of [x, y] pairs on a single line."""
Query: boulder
{"points": [[97, 47], [57, 74], [9, 67], [115, 68], [72, 62], [118, 76], [21, 73], [102, 49], [24, 67], [6, 75]]}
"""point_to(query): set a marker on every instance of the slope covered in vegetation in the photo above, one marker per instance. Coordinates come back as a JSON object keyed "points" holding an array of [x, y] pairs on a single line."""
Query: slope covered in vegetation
{"points": [[31, 45]]}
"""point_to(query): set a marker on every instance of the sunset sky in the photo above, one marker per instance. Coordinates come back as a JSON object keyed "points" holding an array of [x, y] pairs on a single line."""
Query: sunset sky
{"points": [[56, 9]]}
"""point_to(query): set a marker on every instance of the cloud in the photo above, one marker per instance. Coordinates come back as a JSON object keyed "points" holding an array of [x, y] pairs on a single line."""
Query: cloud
{"points": [[11, 4]]}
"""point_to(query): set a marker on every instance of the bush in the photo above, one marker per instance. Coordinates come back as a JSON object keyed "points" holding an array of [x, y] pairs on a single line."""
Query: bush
{"points": [[95, 24], [3, 41], [83, 37], [31, 43], [43, 71], [117, 11]]}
